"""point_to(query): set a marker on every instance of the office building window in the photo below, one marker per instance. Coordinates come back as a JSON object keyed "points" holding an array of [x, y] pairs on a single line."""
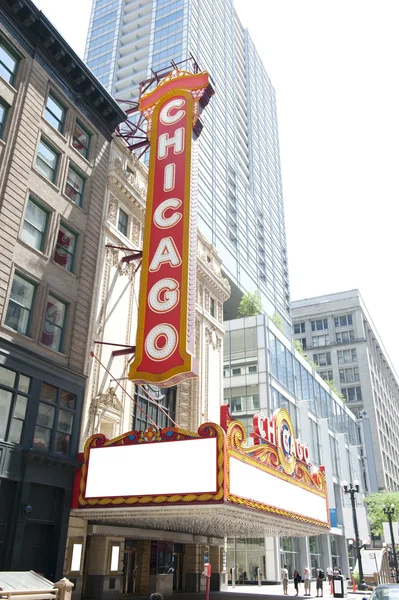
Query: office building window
{"points": [[55, 113], [54, 324], [20, 306], [320, 340], [344, 337], [81, 139], [319, 324], [299, 327], [326, 375], [343, 321], [348, 375], [347, 356], [74, 186], [8, 63], [323, 359], [14, 390], [47, 161], [54, 421], [3, 116], [352, 394], [65, 248], [123, 221], [35, 225]]}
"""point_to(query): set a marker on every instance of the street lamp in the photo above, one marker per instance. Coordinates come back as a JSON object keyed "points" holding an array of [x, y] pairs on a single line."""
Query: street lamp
{"points": [[390, 511], [352, 489]]}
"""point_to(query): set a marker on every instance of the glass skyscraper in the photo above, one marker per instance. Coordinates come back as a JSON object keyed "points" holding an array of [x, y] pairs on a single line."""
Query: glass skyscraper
{"points": [[240, 194]]}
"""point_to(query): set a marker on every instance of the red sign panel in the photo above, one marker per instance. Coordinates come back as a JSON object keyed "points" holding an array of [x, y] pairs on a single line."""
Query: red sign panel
{"points": [[164, 348]]}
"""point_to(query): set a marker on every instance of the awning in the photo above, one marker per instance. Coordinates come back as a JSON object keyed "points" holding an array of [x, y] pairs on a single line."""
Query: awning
{"points": [[206, 483]]}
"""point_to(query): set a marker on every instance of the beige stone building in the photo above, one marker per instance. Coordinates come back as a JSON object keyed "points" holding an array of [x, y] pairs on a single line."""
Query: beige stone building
{"points": [[109, 409], [56, 126]]}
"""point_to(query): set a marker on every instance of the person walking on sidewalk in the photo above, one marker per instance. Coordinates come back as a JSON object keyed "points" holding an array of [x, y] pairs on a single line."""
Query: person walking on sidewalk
{"points": [[284, 576], [297, 581], [306, 577], [319, 581]]}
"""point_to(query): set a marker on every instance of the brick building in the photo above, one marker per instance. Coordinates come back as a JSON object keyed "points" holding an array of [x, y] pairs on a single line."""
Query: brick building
{"points": [[56, 124]]}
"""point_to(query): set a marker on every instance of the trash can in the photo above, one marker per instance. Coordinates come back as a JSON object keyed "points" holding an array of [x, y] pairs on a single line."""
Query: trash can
{"points": [[340, 586]]}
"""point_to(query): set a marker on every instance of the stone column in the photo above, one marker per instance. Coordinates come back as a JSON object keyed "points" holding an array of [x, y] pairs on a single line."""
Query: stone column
{"points": [[102, 582]]}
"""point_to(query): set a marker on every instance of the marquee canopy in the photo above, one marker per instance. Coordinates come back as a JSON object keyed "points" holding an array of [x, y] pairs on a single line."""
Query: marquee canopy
{"points": [[207, 483]]}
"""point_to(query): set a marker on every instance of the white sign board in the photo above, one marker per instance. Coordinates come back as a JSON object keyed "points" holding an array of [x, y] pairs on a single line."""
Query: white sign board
{"points": [[253, 484], [149, 469], [387, 532]]}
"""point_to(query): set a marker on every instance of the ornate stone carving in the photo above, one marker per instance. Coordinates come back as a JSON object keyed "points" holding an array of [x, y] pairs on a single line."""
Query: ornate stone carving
{"points": [[112, 210], [212, 338], [220, 312], [206, 300], [136, 232]]}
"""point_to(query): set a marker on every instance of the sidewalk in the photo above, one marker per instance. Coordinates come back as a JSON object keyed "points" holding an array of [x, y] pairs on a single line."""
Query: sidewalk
{"points": [[277, 590]]}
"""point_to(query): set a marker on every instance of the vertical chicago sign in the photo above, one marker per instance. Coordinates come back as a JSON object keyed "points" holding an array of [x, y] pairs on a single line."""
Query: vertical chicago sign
{"points": [[165, 333]]}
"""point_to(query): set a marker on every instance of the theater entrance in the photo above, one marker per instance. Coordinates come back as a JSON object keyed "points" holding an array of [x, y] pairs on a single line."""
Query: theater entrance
{"points": [[130, 568]]}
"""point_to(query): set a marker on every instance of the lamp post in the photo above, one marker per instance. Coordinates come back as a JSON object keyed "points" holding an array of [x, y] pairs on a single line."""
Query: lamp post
{"points": [[351, 490], [390, 511]]}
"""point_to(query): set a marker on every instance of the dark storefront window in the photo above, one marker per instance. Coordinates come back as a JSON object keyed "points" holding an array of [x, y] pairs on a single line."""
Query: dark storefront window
{"points": [[144, 397], [14, 390], [54, 421]]}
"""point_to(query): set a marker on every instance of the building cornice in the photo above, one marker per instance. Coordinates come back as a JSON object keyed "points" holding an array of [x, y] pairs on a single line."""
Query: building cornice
{"points": [[41, 40]]}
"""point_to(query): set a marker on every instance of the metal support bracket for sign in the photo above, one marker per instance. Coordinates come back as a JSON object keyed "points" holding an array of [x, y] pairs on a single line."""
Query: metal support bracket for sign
{"points": [[125, 348], [134, 129]]}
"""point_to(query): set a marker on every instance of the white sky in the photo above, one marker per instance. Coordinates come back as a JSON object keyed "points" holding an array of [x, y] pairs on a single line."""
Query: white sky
{"points": [[334, 66]]}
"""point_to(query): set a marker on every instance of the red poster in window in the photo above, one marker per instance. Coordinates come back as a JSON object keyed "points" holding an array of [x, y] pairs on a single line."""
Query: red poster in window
{"points": [[54, 317], [164, 345], [65, 243]]}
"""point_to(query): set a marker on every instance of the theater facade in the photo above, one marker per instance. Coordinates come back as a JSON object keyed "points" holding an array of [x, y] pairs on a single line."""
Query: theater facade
{"points": [[159, 503]]}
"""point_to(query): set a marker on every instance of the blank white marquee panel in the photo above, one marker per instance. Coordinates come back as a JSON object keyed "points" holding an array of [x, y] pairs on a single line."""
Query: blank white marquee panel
{"points": [[150, 469], [253, 484]]}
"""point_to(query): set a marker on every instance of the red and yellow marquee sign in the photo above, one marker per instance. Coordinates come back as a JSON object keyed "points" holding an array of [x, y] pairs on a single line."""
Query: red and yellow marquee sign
{"points": [[165, 333]]}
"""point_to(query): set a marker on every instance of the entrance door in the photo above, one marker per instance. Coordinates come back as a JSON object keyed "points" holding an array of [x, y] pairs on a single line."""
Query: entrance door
{"points": [[177, 571], [129, 572]]}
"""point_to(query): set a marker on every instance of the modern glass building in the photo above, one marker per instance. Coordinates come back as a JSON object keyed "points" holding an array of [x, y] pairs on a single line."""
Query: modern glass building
{"points": [[262, 372], [240, 194]]}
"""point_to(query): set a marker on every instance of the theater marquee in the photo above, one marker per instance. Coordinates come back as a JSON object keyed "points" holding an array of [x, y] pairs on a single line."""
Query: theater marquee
{"points": [[222, 486], [164, 344]]}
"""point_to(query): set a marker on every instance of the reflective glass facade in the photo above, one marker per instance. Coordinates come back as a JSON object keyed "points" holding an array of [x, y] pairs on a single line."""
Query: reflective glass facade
{"points": [[240, 194]]}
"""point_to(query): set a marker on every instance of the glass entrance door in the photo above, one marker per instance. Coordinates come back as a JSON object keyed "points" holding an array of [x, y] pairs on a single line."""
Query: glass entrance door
{"points": [[129, 572], [177, 571]]}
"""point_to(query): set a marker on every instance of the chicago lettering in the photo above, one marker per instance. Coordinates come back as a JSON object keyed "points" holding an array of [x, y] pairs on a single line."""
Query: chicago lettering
{"points": [[162, 340]]}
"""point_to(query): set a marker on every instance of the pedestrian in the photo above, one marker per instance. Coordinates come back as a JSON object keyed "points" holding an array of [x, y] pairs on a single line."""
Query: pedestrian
{"points": [[319, 582], [297, 581], [284, 576], [330, 573], [306, 577]]}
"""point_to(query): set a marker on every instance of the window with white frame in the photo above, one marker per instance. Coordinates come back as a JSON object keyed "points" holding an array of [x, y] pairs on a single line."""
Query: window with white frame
{"points": [[344, 337], [347, 356], [34, 228], [320, 340], [349, 375], [319, 324], [20, 305], [47, 161], [343, 321], [55, 113]]}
